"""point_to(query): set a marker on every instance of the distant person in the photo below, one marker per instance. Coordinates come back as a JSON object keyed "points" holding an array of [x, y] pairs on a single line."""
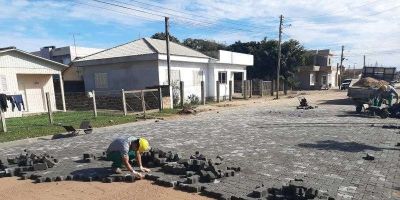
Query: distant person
{"points": [[122, 150]]}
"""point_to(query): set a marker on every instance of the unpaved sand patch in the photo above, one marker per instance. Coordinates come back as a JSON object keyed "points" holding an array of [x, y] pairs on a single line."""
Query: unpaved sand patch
{"points": [[11, 188]]}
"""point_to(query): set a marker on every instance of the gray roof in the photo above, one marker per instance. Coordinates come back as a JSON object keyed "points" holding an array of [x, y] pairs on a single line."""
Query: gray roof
{"points": [[5, 50], [143, 46]]}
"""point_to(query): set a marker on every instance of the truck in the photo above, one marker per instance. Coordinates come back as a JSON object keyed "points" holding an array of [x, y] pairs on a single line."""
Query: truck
{"points": [[361, 94]]}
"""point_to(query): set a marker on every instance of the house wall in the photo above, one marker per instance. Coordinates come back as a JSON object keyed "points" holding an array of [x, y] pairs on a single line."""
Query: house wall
{"points": [[303, 78], [214, 68], [127, 75], [187, 72], [27, 76], [229, 57], [210, 76]]}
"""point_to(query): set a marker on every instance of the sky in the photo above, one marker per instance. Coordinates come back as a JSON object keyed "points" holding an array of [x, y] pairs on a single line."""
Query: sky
{"points": [[363, 27]]}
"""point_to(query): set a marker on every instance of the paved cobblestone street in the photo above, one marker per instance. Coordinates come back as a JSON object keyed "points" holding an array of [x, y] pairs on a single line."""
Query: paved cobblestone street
{"points": [[273, 144]]}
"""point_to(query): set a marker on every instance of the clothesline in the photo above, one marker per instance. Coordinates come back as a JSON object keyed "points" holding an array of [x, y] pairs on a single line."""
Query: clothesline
{"points": [[15, 101]]}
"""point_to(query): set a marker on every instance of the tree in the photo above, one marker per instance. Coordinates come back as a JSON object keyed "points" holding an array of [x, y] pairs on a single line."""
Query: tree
{"points": [[293, 56], [208, 47], [265, 54], [161, 36]]}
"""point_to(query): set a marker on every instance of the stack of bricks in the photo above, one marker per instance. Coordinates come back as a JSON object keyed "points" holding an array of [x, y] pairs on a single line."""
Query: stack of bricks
{"points": [[19, 165], [197, 169], [296, 189]]}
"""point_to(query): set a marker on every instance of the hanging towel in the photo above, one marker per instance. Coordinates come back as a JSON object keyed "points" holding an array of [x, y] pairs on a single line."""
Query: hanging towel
{"points": [[19, 101], [3, 102]]}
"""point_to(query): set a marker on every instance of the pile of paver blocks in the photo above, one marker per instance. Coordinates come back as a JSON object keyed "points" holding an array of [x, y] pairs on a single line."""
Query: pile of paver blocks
{"points": [[296, 189], [19, 165], [191, 174], [196, 169]]}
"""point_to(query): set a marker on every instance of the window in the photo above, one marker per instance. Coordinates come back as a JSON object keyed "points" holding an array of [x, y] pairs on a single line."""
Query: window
{"points": [[197, 77], [101, 80], [312, 79], [3, 83], [222, 77]]}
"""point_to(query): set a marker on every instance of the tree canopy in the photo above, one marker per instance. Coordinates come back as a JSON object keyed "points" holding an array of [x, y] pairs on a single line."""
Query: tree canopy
{"points": [[265, 54], [208, 47], [161, 36]]}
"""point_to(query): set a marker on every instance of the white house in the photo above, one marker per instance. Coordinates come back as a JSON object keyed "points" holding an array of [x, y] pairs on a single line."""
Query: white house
{"points": [[29, 76], [143, 64]]}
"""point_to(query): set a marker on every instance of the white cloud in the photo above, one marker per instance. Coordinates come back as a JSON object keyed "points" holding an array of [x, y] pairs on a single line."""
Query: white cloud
{"points": [[369, 27]]}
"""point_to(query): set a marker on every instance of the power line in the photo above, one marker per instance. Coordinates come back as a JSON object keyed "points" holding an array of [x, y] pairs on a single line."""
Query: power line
{"points": [[152, 13], [116, 11], [138, 10], [196, 15]]}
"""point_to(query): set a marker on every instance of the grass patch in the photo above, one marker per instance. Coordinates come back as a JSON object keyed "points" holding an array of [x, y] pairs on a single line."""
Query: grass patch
{"points": [[38, 125], [165, 113]]}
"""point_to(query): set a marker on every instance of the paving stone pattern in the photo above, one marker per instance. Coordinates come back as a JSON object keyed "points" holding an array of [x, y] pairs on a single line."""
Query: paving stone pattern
{"points": [[324, 147]]}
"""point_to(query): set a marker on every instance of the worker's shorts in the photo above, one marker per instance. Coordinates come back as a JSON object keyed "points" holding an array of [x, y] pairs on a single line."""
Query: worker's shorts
{"points": [[116, 158]]}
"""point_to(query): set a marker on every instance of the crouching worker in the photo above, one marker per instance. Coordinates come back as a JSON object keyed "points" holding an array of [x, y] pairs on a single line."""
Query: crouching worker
{"points": [[123, 150]]}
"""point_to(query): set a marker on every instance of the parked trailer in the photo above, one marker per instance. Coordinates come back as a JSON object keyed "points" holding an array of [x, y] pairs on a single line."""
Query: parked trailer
{"points": [[360, 96], [363, 95]]}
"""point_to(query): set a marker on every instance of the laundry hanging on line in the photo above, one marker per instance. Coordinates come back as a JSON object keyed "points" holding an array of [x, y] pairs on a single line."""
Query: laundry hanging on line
{"points": [[3, 102], [15, 101]]}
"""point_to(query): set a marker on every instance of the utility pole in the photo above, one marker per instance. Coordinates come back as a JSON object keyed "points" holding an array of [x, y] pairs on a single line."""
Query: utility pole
{"points": [[364, 61], [168, 59], [167, 43], [279, 57], [341, 66]]}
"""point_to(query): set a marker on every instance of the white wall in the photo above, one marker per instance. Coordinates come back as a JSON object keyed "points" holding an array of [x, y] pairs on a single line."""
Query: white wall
{"points": [[186, 71], [214, 68], [229, 57]]}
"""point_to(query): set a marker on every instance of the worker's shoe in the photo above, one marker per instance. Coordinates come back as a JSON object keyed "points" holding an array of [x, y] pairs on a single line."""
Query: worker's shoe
{"points": [[117, 170]]}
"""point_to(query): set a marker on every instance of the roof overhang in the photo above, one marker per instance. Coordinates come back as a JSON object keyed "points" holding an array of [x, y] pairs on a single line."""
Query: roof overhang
{"points": [[53, 63], [114, 60], [184, 58]]}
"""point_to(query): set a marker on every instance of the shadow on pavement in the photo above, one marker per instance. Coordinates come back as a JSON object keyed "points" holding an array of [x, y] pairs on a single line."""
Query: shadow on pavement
{"points": [[337, 102], [355, 114], [342, 146]]}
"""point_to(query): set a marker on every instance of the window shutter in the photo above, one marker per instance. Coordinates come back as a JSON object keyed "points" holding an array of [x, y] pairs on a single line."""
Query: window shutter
{"points": [[3, 82]]}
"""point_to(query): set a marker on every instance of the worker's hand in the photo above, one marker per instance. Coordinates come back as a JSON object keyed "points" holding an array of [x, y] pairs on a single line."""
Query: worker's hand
{"points": [[137, 175], [144, 169]]}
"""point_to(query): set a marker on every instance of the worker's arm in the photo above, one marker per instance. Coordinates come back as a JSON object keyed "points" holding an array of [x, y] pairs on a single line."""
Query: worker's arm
{"points": [[139, 160], [393, 91], [125, 159]]}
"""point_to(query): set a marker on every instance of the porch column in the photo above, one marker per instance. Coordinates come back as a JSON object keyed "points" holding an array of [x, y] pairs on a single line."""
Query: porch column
{"points": [[62, 93]]}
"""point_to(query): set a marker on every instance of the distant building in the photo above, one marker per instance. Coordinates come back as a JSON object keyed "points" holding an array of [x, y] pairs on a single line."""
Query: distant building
{"points": [[73, 81], [319, 72]]}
